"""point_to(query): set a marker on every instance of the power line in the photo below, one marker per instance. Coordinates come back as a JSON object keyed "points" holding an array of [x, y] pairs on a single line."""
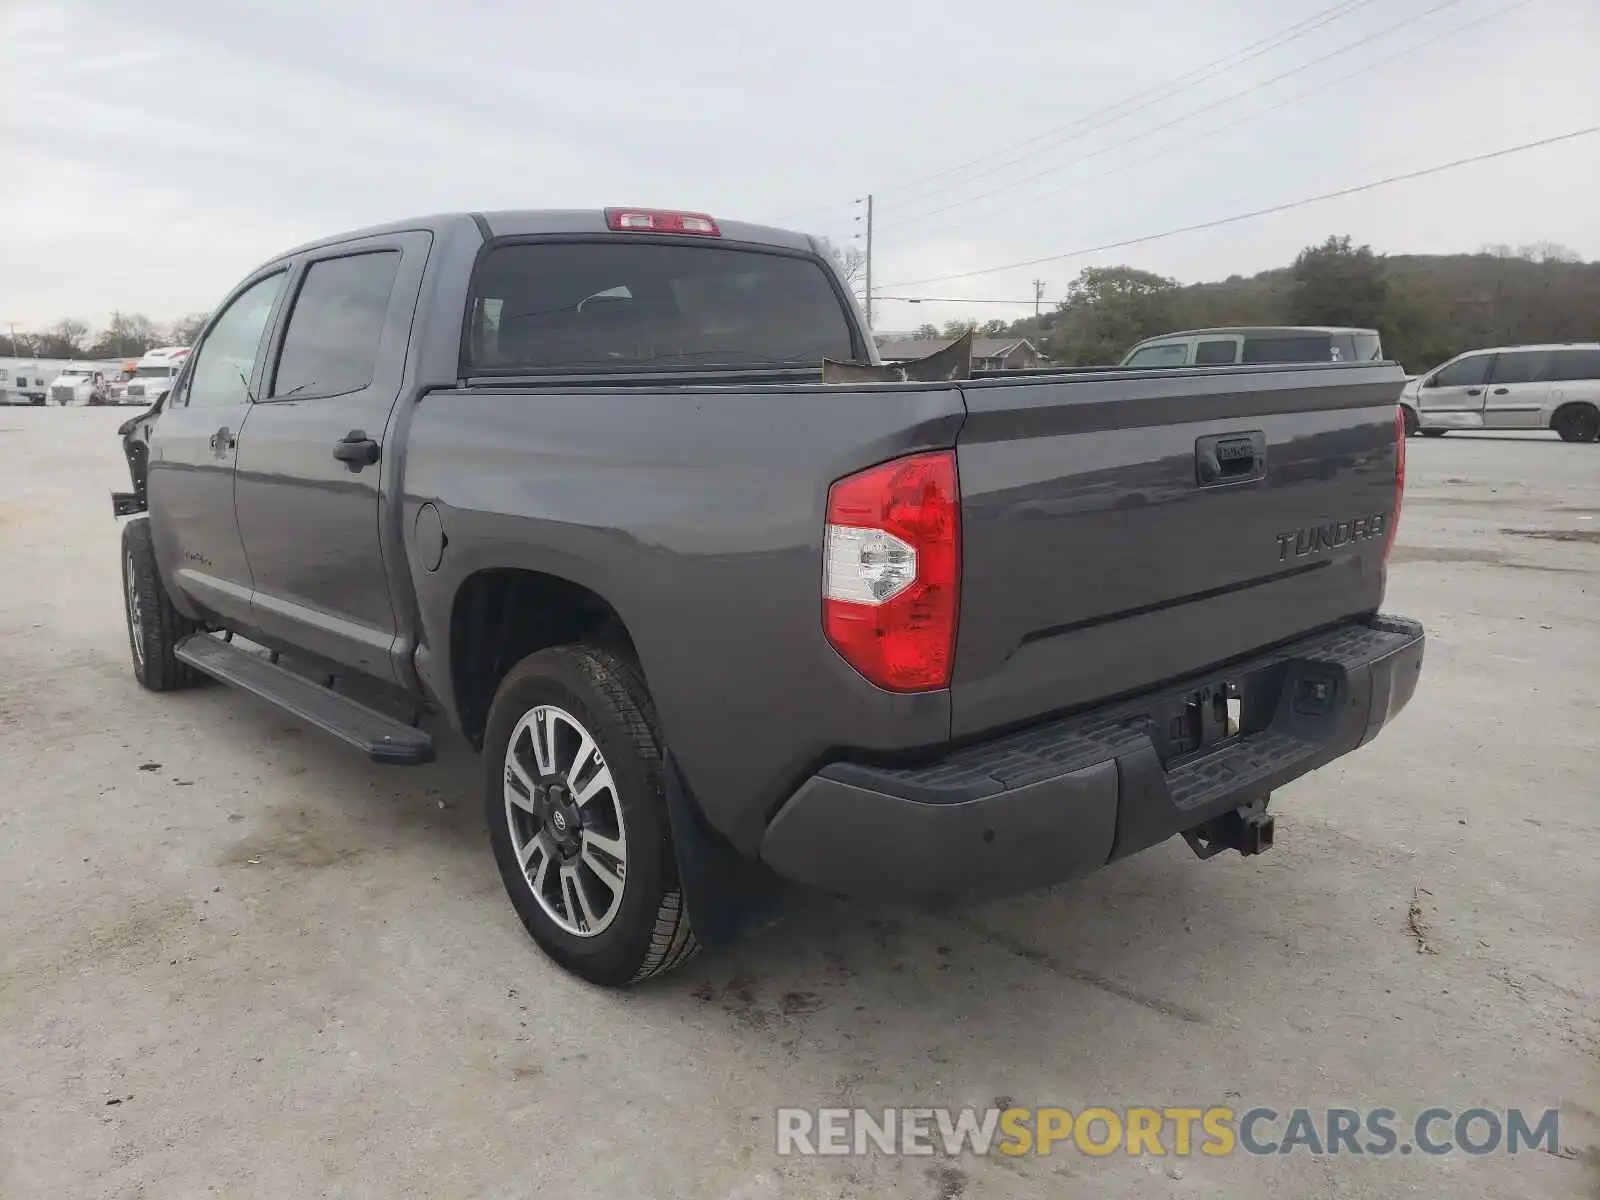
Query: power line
{"points": [[1260, 212], [1163, 151], [1153, 95], [952, 300], [1160, 92], [1356, 45]]}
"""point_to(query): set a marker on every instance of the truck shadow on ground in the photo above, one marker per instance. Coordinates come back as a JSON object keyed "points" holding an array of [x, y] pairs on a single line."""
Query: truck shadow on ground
{"points": [[823, 959]]}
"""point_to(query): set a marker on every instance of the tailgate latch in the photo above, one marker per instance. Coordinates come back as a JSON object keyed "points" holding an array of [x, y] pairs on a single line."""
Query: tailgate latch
{"points": [[1223, 458]]}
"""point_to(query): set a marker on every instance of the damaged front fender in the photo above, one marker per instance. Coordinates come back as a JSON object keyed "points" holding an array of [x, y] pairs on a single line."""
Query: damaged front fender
{"points": [[135, 435]]}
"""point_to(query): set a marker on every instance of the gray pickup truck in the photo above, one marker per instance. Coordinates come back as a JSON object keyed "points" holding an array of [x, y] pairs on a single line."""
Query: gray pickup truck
{"points": [[573, 482]]}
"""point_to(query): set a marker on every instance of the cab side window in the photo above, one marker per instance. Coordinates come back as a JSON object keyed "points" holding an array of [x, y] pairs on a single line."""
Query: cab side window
{"points": [[220, 370], [1170, 355], [331, 344], [1216, 354], [1466, 372]]}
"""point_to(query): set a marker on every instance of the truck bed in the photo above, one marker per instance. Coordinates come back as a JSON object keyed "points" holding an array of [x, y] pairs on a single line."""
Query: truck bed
{"points": [[1093, 561]]}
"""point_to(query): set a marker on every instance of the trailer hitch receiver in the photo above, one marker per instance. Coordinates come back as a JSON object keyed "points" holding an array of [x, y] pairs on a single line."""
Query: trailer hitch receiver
{"points": [[1248, 829]]}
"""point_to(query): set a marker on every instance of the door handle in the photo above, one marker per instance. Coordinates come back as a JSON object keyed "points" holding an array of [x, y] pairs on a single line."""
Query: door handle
{"points": [[356, 450], [1474, 391], [1501, 391]]}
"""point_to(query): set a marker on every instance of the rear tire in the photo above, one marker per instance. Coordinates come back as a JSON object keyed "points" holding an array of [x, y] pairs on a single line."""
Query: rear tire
{"points": [[1577, 423], [592, 715], [155, 627]]}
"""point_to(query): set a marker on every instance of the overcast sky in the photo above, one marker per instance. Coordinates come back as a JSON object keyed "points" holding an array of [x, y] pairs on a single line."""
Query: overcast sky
{"points": [[158, 151]]}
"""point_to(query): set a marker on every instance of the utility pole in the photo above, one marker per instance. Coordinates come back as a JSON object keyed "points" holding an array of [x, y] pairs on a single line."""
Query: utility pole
{"points": [[1038, 295], [867, 200]]}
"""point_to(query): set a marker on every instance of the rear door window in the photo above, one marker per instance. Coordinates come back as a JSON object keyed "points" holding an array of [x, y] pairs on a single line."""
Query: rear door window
{"points": [[1216, 353], [649, 306], [1169, 354], [331, 344], [1289, 348], [1524, 366]]}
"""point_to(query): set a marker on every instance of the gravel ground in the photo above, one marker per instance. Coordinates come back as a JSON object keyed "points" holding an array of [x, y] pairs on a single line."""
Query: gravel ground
{"points": [[238, 960]]}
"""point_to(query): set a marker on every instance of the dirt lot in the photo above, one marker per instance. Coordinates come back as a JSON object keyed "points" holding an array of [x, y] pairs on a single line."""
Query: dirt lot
{"points": [[238, 960]]}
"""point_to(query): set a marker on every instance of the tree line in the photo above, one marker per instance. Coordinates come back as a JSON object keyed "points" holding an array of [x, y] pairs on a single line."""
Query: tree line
{"points": [[1428, 308], [128, 335]]}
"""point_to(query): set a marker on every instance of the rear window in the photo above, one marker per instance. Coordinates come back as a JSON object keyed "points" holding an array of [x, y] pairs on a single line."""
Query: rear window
{"points": [[1289, 348], [648, 306], [1215, 354], [155, 372]]}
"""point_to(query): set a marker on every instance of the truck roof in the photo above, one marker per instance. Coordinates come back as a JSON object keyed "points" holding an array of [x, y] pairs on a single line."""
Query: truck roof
{"points": [[1268, 330], [534, 222]]}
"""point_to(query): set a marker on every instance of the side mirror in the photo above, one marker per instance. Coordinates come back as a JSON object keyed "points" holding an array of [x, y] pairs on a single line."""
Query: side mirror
{"points": [[1431, 381]]}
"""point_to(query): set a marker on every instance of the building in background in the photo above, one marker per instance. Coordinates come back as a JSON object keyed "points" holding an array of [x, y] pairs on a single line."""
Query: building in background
{"points": [[988, 354]]}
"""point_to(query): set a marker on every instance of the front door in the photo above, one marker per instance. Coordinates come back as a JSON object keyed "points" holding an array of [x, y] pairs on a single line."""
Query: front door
{"points": [[1452, 397], [311, 469], [193, 449]]}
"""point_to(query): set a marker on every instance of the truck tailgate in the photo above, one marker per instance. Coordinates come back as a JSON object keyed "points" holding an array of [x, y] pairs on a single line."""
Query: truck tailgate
{"points": [[1122, 530]]}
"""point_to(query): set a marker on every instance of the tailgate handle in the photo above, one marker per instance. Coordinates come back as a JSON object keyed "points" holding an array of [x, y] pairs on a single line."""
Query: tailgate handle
{"points": [[1230, 458]]}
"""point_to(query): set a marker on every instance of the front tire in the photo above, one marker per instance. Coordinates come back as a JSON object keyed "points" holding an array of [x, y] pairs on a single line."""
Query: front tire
{"points": [[155, 627], [1434, 432], [1409, 415], [577, 816]]}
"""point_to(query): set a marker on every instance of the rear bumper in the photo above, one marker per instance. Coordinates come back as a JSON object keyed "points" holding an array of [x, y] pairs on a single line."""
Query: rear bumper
{"points": [[1058, 800]]}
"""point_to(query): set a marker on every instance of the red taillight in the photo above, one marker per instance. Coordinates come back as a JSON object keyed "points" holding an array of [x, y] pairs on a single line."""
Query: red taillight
{"points": [[892, 571], [658, 220], [1399, 480]]}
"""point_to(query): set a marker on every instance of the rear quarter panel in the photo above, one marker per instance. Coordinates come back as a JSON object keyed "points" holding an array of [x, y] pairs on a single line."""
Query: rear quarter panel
{"points": [[698, 515]]}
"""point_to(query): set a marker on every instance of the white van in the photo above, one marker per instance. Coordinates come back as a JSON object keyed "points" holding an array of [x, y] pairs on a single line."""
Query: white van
{"points": [[1510, 387], [1224, 347], [153, 375]]}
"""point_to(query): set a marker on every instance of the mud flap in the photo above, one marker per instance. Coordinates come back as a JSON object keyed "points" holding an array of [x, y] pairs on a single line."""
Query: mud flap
{"points": [[728, 895]]}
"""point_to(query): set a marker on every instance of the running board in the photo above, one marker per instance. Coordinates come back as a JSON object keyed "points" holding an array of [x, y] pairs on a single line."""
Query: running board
{"points": [[385, 739]]}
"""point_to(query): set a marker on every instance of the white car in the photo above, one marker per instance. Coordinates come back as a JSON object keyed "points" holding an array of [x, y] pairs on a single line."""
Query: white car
{"points": [[1510, 387]]}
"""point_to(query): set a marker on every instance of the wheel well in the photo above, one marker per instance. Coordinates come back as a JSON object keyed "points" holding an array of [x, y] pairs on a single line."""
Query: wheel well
{"points": [[501, 616], [1568, 407]]}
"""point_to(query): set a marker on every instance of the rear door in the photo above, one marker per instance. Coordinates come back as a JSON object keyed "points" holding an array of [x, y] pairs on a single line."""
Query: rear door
{"points": [[312, 465], [1457, 387], [193, 451], [1519, 385]]}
